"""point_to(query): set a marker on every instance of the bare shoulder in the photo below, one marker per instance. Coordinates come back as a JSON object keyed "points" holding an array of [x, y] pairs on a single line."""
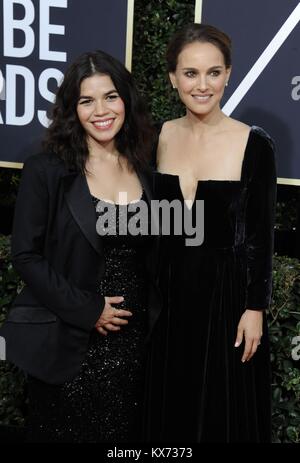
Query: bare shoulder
{"points": [[168, 134], [171, 127], [237, 128], [236, 134]]}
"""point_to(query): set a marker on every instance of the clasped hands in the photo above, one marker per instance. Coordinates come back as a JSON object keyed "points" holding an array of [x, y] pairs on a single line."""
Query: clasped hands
{"points": [[111, 318], [249, 328]]}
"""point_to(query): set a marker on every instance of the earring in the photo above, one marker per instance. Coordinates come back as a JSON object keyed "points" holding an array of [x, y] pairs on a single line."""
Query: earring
{"points": [[226, 85], [174, 87]]}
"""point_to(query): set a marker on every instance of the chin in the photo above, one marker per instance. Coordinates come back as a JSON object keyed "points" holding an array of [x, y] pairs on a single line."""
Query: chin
{"points": [[200, 112], [203, 111]]}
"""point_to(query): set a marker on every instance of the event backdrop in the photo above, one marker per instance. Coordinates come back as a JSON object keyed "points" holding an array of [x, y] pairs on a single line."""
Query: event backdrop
{"points": [[39, 38], [264, 88]]}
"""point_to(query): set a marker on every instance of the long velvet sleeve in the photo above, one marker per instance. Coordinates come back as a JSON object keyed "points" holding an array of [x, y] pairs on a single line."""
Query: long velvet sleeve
{"points": [[260, 215], [75, 306]]}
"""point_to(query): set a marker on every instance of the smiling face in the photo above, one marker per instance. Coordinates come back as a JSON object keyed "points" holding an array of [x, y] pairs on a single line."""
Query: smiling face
{"points": [[100, 109], [200, 77]]}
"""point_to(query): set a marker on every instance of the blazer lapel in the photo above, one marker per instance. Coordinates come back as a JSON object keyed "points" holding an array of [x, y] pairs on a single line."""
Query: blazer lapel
{"points": [[79, 201]]}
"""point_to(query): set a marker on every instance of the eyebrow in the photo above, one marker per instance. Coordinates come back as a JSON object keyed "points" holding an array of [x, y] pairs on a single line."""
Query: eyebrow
{"points": [[83, 97], [210, 69]]}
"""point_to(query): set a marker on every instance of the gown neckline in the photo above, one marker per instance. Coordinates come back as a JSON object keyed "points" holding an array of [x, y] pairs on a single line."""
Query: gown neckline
{"points": [[112, 203], [218, 181]]}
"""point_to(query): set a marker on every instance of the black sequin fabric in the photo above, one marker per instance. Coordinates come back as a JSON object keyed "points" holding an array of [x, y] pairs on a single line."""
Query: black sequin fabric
{"points": [[103, 403]]}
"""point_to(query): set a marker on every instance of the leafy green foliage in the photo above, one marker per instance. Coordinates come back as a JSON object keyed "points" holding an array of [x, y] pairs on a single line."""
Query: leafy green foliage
{"points": [[154, 24], [284, 327], [12, 381], [9, 182], [13, 399]]}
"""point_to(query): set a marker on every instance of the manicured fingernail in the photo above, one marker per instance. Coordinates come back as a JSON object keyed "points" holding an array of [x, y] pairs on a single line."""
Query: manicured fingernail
{"points": [[237, 344]]}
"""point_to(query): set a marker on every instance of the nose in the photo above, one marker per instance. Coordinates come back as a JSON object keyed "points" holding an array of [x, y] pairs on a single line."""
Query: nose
{"points": [[100, 107], [202, 83]]}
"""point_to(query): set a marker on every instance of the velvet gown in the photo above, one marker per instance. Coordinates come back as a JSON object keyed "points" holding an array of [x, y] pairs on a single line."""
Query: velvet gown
{"points": [[198, 388]]}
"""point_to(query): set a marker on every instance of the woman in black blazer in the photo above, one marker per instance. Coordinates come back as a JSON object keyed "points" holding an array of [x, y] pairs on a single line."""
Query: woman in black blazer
{"points": [[79, 325]]}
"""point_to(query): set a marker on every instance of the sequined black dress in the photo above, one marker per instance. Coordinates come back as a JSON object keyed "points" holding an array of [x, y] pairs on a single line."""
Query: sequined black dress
{"points": [[103, 403]]}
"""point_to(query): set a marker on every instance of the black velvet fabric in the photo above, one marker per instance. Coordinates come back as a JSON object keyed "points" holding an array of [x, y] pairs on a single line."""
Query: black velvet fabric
{"points": [[198, 388]]}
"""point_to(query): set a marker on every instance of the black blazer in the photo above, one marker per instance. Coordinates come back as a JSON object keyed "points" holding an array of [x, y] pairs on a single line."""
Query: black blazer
{"points": [[59, 255]]}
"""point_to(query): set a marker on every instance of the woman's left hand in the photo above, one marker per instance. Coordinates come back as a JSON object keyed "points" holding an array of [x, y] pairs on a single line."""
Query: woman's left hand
{"points": [[249, 327]]}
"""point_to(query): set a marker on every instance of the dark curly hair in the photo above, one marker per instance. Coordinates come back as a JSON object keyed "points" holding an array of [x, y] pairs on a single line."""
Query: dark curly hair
{"points": [[66, 137]]}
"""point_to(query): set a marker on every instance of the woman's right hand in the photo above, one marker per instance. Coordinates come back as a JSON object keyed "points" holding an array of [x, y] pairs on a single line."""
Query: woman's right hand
{"points": [[110, 318]]}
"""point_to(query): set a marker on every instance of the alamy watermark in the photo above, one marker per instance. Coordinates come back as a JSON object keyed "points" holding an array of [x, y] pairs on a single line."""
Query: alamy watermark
{"points": [[159, 217], [296, 349], [296, 88], [2, 348]]}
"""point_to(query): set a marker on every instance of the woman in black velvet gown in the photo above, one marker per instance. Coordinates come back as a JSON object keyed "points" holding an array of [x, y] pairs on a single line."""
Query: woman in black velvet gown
{"points": [[78, 327], [210, 370]]}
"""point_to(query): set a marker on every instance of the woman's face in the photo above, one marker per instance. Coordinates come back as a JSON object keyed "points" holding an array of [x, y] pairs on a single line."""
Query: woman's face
{"points": [[100, 109], [200, 77]]}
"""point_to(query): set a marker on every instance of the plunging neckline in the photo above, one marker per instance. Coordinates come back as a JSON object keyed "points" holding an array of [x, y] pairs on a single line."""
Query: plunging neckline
{"points": [[198, 183], [205, 181]]}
